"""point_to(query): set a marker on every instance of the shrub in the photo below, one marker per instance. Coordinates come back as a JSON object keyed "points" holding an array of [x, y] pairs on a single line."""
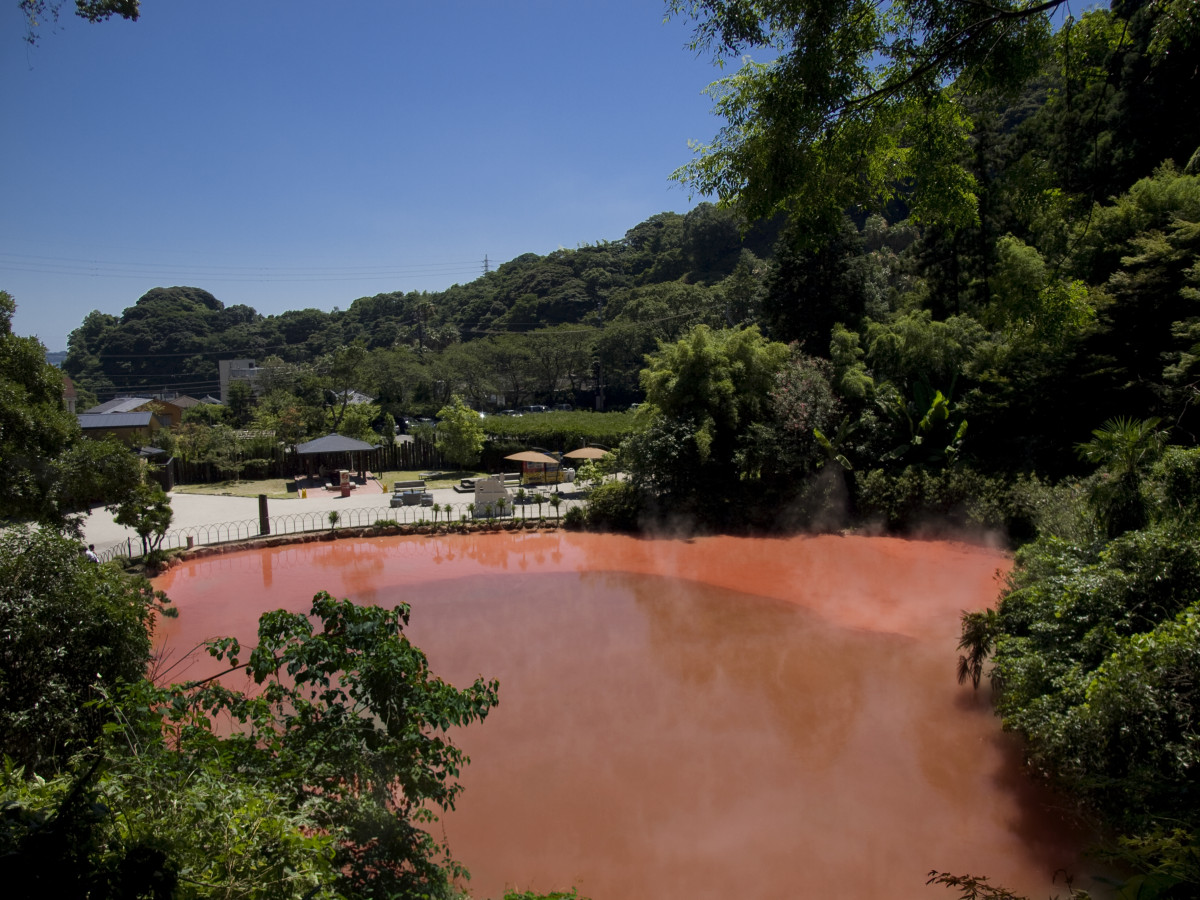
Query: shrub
{"points": [[956, 498], [616, 505]]}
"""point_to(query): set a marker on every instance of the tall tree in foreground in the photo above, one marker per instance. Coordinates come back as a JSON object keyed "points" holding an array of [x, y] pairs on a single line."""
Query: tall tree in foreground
{"points": [[860, 101], [70, 630], [50, 470], [322, 780], [37, 12]]}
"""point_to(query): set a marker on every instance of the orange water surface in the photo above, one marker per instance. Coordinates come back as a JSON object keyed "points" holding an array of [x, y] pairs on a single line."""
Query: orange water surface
{"points": [[712, 718]]}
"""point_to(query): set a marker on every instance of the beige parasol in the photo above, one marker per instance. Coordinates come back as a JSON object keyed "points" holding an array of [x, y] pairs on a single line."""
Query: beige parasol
{"points": [[532, 456], [587, 453]]}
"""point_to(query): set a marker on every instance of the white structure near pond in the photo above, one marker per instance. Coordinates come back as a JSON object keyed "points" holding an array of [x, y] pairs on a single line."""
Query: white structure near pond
{"points": [[491, 492]]}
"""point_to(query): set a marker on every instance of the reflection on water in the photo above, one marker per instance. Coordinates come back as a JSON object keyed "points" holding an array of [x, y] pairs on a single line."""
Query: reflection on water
{"points": [[706, 719]]}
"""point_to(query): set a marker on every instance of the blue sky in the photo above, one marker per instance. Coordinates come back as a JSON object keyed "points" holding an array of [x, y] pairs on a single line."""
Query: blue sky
{"points": [[289, 154]]}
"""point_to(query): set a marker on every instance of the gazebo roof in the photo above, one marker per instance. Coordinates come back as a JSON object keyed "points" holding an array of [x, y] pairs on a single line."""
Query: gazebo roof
{"points": [[333, 443]]}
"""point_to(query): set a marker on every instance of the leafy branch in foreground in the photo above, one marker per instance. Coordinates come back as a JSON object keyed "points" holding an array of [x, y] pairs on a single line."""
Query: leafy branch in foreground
{"points": [[321, 781], [350, 724], [858, 102], [971, 887]]}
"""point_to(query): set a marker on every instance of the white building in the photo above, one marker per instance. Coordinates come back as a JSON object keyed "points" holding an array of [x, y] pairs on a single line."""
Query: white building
{"points": [[230, 370]]}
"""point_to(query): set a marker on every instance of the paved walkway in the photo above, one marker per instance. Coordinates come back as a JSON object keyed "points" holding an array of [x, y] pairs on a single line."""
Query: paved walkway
{"points": [[209, 509]]}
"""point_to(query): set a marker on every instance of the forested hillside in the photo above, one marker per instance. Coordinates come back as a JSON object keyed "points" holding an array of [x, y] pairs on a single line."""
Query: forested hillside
{"points": [[666, 274]]}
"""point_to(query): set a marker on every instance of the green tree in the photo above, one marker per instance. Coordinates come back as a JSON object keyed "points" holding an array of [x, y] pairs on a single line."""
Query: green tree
{"points": [[1028, 301], [240, 404], [717, 382], [812, 288], [352, 721], [70, 630], [147, 510], [224, 450], [206, 414], [342, 372], [978, 639], [1095, 648], [92, 471], [325, 784], [35, 428], [464, 370], [1124, 449], [357, 421], [280, 412], [347, 720], [1095, 660], [511, 364], [51, 470], [559, 357], [861, 102], [37, 12], [460, 434]]}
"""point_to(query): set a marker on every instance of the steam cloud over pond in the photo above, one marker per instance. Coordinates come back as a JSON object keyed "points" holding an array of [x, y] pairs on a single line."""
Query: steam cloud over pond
{"points": [[714, 718]]}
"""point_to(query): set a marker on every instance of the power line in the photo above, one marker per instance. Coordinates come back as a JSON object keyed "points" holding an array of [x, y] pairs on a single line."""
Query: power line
{"points": [[60, 265]]}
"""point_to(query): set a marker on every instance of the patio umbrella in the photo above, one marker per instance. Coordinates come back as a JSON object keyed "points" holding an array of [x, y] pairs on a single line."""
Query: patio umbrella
{"points": [[587, 453], [528, 458], [533, 456]]}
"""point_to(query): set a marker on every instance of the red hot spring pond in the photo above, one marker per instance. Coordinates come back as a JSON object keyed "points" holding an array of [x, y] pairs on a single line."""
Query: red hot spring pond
{"points": [[711, 718]]}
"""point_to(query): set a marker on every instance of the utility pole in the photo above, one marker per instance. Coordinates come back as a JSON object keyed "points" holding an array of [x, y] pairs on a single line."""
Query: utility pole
{"points": [[486, 266], [599, 364]]}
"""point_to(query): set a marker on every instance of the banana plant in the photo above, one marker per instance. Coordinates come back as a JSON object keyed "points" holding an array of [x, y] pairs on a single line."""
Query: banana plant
{"points": [[935, 430], [833, 448]]}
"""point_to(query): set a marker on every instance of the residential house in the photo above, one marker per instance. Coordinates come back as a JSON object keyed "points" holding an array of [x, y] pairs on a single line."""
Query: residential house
{"points": [[168, 412], [134, 428], [70, 397]]}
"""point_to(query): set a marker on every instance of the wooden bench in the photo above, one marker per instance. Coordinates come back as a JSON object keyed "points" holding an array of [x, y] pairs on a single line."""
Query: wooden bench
{"points": [[415, 485]]}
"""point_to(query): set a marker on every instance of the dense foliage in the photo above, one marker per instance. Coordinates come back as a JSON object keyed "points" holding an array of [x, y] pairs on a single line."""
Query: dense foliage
{"points": [[324, 784], [51, 473], [1095, 650], [459, 433], [70, 630]]}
